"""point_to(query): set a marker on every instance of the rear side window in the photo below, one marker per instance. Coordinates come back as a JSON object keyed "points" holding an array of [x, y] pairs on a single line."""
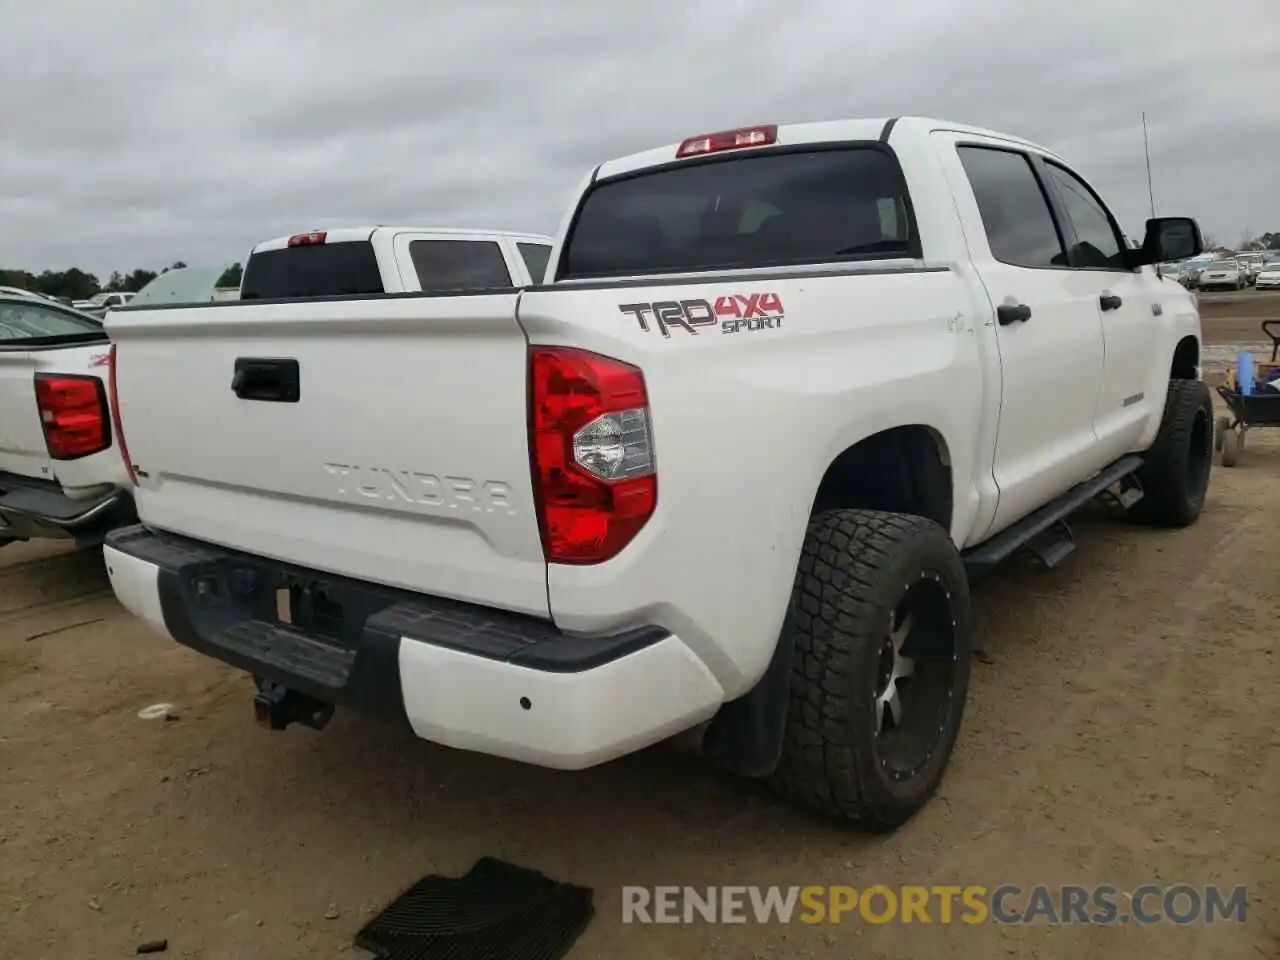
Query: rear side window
{"points": [[444, 265], [1015, 213], [800, 206], [535, 257], [314, 270]]}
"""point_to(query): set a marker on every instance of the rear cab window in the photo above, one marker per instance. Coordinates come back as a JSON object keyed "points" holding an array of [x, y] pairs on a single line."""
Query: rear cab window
{"points": [[795, 205], [346, 268]]}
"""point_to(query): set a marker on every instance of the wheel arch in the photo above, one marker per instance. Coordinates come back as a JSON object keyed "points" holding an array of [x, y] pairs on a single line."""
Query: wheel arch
{"points": [[905, 468], [1185, 364]]}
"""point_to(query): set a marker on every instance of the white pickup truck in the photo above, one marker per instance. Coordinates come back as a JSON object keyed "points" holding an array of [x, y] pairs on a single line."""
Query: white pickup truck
{"points": [[728, 470], [60, 474]]}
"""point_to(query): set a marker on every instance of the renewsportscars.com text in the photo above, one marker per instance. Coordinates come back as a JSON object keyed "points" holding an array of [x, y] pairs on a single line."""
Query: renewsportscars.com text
{"points": [[1005, 904]]}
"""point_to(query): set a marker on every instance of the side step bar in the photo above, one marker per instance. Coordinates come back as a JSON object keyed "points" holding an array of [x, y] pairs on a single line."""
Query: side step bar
{"points": [[1036, 530]]}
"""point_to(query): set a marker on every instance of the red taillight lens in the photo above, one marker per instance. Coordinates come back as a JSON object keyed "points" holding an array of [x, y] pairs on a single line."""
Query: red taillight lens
{"points": [[73, 412], [594, 474], [313, 238], [115, 415], [728, 140]]}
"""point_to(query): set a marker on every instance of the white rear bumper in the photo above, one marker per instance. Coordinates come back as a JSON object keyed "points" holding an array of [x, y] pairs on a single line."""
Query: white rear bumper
{"points": [[552, 719]]}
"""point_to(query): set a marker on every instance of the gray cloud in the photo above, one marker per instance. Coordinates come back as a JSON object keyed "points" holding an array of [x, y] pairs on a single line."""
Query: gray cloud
{"points": [[138, 133]]}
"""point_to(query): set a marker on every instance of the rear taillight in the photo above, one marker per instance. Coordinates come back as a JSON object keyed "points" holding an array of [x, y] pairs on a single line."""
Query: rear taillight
{"points": [[595, 481], [73, 413], [115, 415]]}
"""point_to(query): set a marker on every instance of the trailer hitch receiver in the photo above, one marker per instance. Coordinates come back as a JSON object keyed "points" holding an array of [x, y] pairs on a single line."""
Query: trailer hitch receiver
{"points": [[276, 706]]}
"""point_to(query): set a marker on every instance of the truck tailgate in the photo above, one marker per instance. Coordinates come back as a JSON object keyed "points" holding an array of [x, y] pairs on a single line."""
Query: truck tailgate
{"points": [[401, 458]]}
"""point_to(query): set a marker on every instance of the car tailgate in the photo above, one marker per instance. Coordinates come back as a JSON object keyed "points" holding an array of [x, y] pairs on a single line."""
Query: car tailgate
{"points": [[402, 458]]}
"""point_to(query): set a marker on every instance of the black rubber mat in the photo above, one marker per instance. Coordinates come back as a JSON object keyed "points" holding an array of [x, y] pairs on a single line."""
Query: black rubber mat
{"points": [[496, 911]]}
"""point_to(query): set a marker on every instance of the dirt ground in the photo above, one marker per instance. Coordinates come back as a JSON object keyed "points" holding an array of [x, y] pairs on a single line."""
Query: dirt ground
{"points": [[1126, 731], [1235, 317]]}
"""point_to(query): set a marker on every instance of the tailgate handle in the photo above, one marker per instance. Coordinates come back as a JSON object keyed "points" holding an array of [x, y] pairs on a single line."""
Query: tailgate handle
{"points": [[266, 379]]}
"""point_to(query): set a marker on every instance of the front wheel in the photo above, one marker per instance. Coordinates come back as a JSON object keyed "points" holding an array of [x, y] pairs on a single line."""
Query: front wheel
{"points": [[879, 625], [1175, 471]]}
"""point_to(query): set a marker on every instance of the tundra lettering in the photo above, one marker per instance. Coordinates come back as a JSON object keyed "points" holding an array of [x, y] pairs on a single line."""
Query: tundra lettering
{"points": [[409, 486]]}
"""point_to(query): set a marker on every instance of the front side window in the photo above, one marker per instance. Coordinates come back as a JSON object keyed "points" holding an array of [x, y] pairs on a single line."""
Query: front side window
{"points": [[1098, 244], [535, 257]]}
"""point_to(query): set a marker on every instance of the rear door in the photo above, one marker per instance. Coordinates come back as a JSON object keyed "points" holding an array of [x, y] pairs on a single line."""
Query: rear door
{"points": [[448, 263], [1047, 325]]}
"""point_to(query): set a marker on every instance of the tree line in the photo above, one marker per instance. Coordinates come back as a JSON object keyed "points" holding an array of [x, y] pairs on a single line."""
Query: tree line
{"points": [[81, 285]]}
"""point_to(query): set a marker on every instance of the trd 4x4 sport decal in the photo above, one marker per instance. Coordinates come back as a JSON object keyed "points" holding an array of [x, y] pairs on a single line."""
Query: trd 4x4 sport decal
{"points": [[733, 314]]}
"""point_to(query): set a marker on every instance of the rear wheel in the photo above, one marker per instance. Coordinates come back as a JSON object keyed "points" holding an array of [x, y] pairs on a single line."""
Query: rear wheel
{"points": [[879, 624], [1175, 471]]}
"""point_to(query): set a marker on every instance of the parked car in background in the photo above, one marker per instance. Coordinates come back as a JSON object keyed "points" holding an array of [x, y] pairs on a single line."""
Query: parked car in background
{"points": [[1268, 276], [181, 285], [60, 474], [20, 292], [100, 303], [1193, 268], [1222, 275]]}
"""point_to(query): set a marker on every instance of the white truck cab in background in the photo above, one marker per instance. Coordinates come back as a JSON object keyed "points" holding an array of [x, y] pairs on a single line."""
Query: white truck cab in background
{"points": [[782, 391], [374, 260]]}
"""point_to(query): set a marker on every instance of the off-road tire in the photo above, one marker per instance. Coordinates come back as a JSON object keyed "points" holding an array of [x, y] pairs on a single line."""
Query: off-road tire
{"points": [[855, 567], [1175, 471]]}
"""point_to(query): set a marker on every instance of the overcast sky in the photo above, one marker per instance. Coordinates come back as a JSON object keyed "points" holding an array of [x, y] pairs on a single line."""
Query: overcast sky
{"points": [[139, 133]]}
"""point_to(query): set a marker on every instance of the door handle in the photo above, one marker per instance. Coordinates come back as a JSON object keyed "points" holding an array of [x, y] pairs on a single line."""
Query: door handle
{"points": [[1109, 301], [1008, 313], [267, 379]]}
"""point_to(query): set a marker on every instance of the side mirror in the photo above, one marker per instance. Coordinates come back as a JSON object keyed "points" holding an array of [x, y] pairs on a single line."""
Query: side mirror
{"points": [[1170, 238]]}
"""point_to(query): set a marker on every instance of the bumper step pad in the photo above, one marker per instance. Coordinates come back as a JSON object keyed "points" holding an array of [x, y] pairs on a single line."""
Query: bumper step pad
{"points": [[496, 909]]}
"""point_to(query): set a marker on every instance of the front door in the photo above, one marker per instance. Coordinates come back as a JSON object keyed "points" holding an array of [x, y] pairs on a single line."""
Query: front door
{"points": [[1126, 299]]}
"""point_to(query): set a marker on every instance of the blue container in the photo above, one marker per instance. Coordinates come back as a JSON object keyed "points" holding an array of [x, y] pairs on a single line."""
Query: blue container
{"points": [[1244, 372]]}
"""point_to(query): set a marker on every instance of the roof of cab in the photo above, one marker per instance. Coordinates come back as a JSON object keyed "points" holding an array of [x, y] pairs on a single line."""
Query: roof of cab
{"points": [[883, 129], [357, 234]]}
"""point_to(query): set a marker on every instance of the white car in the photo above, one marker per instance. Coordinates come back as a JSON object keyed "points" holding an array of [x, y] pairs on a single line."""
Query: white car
{"points": [[729, 466], [1268, 276], [61, 475], [1223, 275]]}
